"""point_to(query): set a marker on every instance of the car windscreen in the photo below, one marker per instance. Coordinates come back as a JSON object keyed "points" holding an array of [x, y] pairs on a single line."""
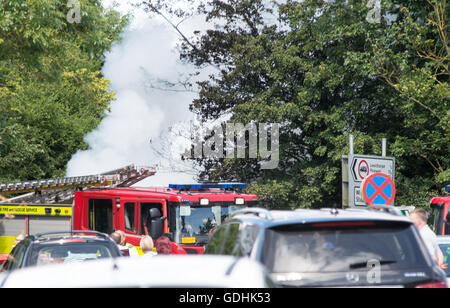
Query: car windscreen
{"points": [[67, 253], [343, 246]]}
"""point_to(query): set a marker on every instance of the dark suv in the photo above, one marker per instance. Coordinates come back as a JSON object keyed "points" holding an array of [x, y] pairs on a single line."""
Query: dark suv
{"points": [[331, 248], [61, 247]]}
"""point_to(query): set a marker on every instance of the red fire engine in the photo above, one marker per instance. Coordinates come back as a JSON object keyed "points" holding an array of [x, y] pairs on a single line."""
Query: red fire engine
{"points": [[186, 213], [107, 202], [440, 214]]}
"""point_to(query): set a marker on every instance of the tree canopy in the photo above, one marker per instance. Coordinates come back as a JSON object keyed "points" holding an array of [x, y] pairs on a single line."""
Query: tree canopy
{"points": [[323, 70], [52, 92]]}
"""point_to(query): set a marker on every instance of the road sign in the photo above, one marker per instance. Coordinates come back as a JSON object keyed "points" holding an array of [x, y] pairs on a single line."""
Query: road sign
{"points": [[360, 167], [378, 189], [363, 166]]}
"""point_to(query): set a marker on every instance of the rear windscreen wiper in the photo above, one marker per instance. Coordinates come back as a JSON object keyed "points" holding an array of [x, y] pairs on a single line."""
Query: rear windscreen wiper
{"points": [[366, 264]]}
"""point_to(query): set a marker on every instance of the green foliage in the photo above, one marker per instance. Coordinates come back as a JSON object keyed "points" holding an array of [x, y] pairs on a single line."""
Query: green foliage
{"points": [[420, 75], [51, 89], [323, 71]]}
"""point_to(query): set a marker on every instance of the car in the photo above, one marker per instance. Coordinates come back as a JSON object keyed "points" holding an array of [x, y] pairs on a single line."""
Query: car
{"points": [[444, 245], [357, 247], [61, 247], [162, 271]]}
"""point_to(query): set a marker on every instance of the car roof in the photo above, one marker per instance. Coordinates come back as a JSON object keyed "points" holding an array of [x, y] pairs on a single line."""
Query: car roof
{"points": [[443, 239], [157, 271], [58, 236], [279, 217]]}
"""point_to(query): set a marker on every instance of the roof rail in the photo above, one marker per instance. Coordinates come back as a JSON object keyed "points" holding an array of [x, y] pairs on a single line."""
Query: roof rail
{"points": [[380, 208], [72, 232], [256, 211]]}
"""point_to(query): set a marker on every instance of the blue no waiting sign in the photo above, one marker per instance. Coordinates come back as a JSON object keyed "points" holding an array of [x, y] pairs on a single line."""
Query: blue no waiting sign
{"points": [[378, 189]]}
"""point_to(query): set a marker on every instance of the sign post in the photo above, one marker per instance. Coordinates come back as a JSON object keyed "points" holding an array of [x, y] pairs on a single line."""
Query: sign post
{"points": [[361, 167], [357, 168]]}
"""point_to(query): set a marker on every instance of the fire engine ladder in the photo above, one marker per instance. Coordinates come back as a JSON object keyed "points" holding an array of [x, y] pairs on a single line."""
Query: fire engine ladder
{"points": [[62, 190]]}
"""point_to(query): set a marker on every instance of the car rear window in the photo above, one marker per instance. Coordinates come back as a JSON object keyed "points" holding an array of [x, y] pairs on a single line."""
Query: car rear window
{"points": [[67, 253], [341, 246]]}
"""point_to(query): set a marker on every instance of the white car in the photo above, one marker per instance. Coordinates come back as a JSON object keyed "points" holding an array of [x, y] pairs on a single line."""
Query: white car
{"points": [[187, 271]]}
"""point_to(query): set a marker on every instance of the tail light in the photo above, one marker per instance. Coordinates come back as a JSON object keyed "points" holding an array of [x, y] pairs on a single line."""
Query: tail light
{"points": [[433, 285]]}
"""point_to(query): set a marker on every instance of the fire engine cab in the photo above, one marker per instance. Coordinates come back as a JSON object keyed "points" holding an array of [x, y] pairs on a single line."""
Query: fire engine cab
{"points": [[186, 213], [110, 201], [440, 213]]}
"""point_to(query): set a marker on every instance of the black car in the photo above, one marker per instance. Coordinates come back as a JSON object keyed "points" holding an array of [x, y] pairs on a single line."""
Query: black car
{"points": [[331, 248], [61, 247]]}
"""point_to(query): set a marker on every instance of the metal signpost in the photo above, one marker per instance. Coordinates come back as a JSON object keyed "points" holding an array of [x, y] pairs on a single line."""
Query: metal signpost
{"points": [[356, 168]]}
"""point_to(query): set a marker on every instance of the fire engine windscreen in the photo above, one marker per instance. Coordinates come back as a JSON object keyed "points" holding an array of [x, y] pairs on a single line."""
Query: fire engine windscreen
{"points": [[194, 223]]}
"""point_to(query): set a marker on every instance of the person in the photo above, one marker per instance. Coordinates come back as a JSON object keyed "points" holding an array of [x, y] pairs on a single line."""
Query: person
{"points": [[419, 217], [116, 237], [147, 246], [19, 239], [163, 246], [176, 249], [123, 242], [212, 231]]}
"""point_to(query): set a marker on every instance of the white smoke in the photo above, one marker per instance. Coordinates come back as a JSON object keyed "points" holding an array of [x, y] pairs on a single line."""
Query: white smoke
{"points": [[143, 111]]}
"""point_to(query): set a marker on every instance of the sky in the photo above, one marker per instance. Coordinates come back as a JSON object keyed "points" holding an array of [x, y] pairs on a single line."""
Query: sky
{"points": [[142, 113]]}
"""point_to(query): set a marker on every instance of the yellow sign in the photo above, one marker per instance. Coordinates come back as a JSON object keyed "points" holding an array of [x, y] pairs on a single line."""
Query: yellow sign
{"points": [[40, 210], [188, 240]]}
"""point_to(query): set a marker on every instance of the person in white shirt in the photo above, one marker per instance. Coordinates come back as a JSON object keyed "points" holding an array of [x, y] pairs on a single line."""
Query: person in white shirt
{"points": [[419, 217]]}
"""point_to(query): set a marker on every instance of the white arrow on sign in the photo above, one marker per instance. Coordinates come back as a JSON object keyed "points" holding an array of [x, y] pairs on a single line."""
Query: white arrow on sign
{"points": [[363, 166]]}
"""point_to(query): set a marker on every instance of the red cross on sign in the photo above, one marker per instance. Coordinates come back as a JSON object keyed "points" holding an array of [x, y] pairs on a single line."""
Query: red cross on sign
{"points": [[378, 189]]}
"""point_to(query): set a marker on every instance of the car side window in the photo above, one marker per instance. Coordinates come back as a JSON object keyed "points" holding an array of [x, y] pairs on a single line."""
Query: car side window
{"points": [[16, 257], [246, 240], [240, 239], [231, 246], [216, 243]]}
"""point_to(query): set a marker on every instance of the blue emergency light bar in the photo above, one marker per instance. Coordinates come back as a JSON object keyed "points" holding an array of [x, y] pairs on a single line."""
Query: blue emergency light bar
{"points": [[208, 186]]}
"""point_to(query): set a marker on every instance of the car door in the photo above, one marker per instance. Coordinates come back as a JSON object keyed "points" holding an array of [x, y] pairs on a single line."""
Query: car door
{"points": [[131, 216]]}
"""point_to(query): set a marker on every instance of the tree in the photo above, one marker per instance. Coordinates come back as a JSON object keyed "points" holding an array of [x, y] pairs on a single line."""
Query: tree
{"points": [[51, 90], [420, 75], [317, 73]]}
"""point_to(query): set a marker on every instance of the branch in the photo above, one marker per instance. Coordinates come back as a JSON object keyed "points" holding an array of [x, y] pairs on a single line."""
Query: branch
{"points": [[424, 157], [177, 29]]}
